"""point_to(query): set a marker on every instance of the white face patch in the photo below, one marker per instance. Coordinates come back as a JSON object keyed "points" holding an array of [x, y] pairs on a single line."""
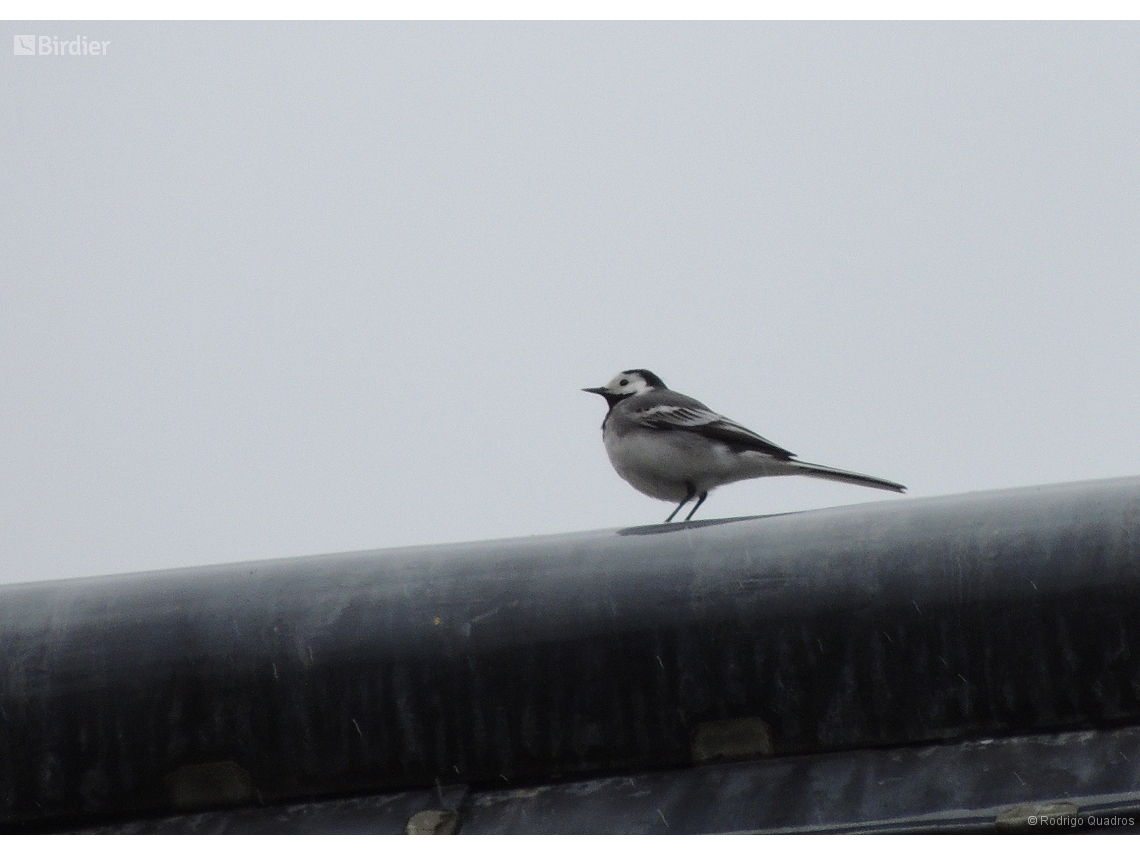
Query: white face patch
{"points": [[627, 383]]}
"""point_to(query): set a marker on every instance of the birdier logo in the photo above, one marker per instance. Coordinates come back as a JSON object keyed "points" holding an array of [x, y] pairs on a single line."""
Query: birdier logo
{"points": [[56, 46]]}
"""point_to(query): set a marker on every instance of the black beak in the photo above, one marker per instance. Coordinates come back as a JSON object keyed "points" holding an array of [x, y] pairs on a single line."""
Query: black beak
{"points": [[597, 390]]}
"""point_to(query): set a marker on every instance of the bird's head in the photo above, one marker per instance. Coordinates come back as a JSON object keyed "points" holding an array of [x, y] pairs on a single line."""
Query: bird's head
{"points": [[627, 384]]}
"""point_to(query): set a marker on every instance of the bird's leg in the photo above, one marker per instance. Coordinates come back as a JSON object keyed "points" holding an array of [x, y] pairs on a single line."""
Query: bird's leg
{"points": [[669, 518], [692, 492], [700, 501]]}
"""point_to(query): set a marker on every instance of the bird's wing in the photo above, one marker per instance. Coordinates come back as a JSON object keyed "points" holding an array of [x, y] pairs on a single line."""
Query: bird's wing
{"points": [[709, 424]]}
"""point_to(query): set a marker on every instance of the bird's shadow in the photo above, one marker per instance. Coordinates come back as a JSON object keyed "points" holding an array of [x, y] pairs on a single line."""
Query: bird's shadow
{"points": [[664, 528]]}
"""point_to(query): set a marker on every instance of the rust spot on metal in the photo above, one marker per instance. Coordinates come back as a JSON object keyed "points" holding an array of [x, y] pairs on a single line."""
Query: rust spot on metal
{"points": [[433, 822], [209, 784], [731, 739], [1025, 816]]}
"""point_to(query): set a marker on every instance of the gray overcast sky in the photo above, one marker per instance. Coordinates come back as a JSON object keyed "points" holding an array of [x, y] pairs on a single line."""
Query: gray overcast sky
{"points": [[279, 289]]}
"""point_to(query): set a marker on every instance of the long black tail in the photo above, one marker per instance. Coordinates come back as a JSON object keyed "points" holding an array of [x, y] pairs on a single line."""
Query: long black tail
{"points": [[816, 471]]}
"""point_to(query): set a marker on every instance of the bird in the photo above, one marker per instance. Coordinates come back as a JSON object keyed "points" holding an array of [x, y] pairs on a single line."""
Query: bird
{"points": [[674, 448]]}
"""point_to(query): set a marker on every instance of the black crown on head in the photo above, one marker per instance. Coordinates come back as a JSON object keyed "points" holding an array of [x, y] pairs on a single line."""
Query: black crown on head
{"points": [[649, 377]]}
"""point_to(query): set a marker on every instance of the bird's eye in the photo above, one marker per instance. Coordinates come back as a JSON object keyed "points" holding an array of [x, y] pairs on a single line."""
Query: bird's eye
{"points": [[624, 383]]}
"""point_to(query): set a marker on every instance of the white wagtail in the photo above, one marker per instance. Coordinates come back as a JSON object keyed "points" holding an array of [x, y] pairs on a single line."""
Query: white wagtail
{"points": [[672, 447]]}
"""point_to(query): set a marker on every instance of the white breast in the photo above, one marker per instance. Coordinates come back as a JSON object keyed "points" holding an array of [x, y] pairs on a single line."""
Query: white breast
{"points": [[667, 464]]}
